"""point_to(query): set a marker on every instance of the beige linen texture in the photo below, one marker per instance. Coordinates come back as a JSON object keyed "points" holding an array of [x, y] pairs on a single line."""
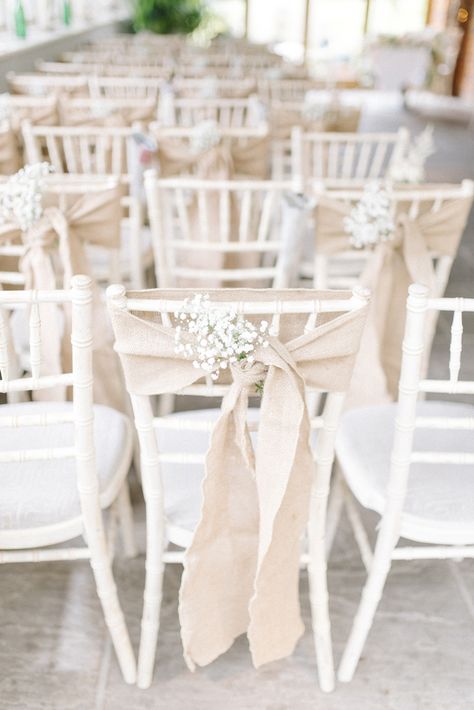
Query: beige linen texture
{"points": [[390, 269], [93, 218]]}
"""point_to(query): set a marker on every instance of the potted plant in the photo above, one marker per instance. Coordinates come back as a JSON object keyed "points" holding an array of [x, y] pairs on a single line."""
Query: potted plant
{"points": [[168, 16]]}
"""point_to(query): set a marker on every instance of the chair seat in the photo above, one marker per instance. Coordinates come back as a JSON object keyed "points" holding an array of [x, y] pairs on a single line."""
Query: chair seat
{"points": [[44, 493], [439, 505], [182, 482]]}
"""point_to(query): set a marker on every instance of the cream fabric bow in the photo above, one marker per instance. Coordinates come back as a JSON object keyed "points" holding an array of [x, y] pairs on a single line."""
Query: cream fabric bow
{"points": [[242, 567], [94, 218], [390, 269]]}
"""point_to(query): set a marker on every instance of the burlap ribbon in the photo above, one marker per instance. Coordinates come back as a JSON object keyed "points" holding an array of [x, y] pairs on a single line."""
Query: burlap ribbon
{"points": [[93, 218], [392, 266], [44, 114], [10, 160], [119, 117], [340, 119], [242, 567]]}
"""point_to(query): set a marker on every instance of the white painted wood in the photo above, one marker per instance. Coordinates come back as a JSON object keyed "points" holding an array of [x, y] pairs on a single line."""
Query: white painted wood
{"points": [[258, 210], [343, 158]]}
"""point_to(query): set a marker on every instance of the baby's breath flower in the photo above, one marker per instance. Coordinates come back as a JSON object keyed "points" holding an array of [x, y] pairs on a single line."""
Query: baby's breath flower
{"points": [[370, 220], [410, 168], [205, 135], [223, 337], [21, 199]]}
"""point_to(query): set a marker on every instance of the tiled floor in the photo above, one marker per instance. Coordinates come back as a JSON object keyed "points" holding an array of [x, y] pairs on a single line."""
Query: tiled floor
{"points": [[55, 655]]}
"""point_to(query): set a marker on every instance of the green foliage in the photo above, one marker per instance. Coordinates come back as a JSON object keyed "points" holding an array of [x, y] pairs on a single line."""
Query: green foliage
{"points": [[167, 16]]}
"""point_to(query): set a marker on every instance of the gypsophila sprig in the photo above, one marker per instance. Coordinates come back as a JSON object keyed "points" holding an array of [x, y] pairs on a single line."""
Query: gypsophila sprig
{"points": [[221, 337], [205, 136], [411, 167], [21, 199], [370, 221]]}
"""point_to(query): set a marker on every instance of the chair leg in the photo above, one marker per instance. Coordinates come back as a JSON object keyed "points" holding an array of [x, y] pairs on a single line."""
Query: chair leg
{"points": [[372, 592], [317, 576], [153, 591], [114, 618], [335, 506], [125, 514]]}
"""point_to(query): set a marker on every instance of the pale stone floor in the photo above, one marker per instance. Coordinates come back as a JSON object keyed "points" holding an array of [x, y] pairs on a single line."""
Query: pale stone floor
{"points": [[55, 654]]}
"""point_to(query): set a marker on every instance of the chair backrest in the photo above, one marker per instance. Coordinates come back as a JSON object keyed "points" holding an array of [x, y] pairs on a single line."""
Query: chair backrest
{"points": [[96, 150], [124, 87], [38, 109], [212, 86], [281, 89], [79, 299], [59, 191], [215, 231], [44, 85], [127, 57], [226, 59], [227, 113], [342, 269], [102, 69], [299, 312], [413, 384], [344, 158], [76, 110]]}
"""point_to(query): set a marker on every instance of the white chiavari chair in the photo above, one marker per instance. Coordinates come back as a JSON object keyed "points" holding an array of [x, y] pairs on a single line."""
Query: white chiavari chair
{"points": [[98, 150], [283, 116], [124, 87], [290, 89], [212, 87], [44, 85], [417, 472], [77, 110], [226, 221], [102, 69], [344, 158], [64, 464], [104, 56], [227, 113], [173, 450]]}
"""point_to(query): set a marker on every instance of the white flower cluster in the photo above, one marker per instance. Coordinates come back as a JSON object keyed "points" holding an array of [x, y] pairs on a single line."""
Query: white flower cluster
{"points": [[205, 135], [222, 337], [314, 108], [21, 199], [209, 87], [370, 221], [411, 168]]}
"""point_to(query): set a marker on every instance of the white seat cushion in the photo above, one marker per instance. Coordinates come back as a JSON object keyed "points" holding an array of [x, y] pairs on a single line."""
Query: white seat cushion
{"points": [[39, 493], [439, 506], [182, 482]]}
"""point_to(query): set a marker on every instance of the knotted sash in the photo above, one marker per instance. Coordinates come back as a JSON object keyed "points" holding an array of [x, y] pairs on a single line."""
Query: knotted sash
{"points": [[10, 160], [392, 266], [241, 569], [93, 218]]}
